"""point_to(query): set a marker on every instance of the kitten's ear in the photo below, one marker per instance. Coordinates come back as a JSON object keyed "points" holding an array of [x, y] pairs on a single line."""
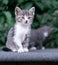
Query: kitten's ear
{"points": [[32, 10], [17, 10]]}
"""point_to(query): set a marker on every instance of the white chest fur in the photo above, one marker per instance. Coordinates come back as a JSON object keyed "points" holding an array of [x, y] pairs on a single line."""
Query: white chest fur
{"points": [[21, 31]]}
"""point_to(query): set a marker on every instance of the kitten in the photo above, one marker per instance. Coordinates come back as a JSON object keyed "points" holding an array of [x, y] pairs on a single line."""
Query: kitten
{"points": [[21, 28], [38, 36]]}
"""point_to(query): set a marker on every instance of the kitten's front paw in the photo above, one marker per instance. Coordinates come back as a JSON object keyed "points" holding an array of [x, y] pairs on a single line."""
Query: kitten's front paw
{"points": [[20, 50], [32, 48], [43, 48], [25, 49]]}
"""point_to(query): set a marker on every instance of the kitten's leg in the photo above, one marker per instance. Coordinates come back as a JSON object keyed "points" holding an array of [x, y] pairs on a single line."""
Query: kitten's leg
{"points": [[20, 49], [41, 46], [18, 44], [14, 50], [26, 44], [25, 47], [32, 46], [26, 50]]}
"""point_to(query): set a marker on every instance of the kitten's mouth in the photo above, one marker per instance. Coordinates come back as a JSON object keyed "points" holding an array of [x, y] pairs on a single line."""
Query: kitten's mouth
{"points": [[26, 24]]}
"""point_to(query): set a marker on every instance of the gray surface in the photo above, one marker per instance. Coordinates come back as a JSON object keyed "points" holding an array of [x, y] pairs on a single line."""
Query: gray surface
{"points": [[40, 55]]}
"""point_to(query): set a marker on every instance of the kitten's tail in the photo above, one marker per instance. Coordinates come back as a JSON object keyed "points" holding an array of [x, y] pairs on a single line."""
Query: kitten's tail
{"points": [[5, 49]]}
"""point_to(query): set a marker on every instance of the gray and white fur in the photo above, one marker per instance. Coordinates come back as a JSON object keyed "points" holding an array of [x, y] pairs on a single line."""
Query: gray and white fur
{"points": [[38, 36], [20, 30]]}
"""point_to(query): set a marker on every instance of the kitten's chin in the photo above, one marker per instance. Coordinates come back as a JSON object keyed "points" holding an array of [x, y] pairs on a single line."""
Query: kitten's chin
{"points": [[24, 24], [28, 25]]}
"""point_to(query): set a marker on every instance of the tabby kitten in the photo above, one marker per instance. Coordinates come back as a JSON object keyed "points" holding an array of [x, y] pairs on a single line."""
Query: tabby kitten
{"points": [[20, 30], [38, 36]]}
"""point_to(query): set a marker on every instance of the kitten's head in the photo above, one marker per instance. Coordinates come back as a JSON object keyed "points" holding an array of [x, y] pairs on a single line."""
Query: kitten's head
{"points": [[24, 17]]}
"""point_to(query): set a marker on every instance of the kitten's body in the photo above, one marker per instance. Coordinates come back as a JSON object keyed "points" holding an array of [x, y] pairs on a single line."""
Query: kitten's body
{"points": [[13, 36], [18, 32], [38, 37]]}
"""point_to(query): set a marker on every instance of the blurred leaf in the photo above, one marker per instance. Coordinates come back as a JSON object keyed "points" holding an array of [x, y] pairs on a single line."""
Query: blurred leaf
{"points": [[38, 17], [35, 24], [1, 19], [47, 3], [20, 1], [28, 5], [8, 17], [5, 2], [39, 5]]}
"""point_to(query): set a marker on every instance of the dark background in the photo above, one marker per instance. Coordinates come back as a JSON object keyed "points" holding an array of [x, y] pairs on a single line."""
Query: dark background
{"points": [[46, 14]]}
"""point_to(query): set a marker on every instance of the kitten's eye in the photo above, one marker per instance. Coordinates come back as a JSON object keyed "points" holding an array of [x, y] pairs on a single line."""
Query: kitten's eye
{"points": [[29, 17], [23, 17]]}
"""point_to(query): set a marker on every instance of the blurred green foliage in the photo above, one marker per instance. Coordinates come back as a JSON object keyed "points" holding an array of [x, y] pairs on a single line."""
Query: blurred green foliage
{"points": [[46, 14]]}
